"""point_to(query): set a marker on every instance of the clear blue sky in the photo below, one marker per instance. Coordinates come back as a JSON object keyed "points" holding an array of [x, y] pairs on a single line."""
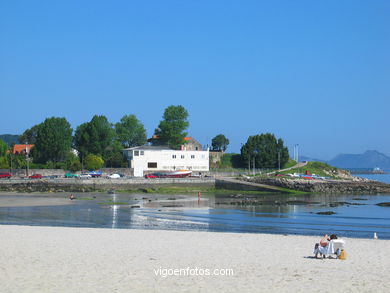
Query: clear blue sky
{"points": [[316, 73]]}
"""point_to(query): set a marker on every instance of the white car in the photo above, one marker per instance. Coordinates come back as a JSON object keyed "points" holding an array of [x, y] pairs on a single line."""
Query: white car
{"points": [[114, 176], [85, 176]]}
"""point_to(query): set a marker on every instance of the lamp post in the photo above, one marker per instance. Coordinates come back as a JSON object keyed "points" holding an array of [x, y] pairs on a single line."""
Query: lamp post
{"points": [[249, 164], [27, 160], [255, 154]]}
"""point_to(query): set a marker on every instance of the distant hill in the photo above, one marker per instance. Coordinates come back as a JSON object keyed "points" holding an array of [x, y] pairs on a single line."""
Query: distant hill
{"points": [[309, 159], [10, 138], [369, 159]]}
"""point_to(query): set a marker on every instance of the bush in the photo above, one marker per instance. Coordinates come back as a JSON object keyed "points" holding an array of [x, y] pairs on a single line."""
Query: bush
{"points": [[4, 163], [229, 161], [93, 162]]}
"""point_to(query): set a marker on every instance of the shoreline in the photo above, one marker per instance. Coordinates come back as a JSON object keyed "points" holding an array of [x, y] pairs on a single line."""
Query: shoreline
{"points": [[190, 185], [65, 259]]}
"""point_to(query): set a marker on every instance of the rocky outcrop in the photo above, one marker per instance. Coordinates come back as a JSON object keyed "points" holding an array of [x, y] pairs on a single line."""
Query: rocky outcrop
{"points": [[357, 186]]}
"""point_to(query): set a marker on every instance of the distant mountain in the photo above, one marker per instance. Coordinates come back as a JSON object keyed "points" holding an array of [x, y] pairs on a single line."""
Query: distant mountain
{"points": [[369, 159], [10, 138], [309, 159]]}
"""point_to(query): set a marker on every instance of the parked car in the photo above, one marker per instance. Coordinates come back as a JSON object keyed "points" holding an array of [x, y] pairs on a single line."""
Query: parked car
{"points": [[71, 175], [51, 176], [5, 175], [152, 175], [96, 174], [35, 176], [84, 176], [114, 176]]}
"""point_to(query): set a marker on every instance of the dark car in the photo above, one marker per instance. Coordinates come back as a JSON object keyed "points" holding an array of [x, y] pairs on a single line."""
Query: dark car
{"points": [[35, 176], [5, 175], [95, 174]]}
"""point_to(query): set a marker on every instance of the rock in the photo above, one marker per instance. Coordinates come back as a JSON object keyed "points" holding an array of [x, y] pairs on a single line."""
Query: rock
{"points": [[383, 204], [326, 213]]}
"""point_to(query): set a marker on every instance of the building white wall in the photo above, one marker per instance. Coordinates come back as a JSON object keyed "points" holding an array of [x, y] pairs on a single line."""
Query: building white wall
{"points": [[149, 160]]}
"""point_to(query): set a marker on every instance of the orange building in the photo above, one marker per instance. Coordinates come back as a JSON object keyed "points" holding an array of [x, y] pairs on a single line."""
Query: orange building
{"points": [[22, 148]]}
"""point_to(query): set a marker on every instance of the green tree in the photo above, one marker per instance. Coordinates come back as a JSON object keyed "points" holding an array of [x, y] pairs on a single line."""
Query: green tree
{"points": [[81, 139], [93, 162], [18, 161], [94, 137], [220, 143], [3, 148], [30, 135], [265, 149], [53, 141], [72, 163], [113, 155], [171, 130], [4, 163], [130, 132]]}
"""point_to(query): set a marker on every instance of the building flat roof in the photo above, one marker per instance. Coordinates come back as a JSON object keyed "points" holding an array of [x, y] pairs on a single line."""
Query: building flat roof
{"points": [[150, 147]]}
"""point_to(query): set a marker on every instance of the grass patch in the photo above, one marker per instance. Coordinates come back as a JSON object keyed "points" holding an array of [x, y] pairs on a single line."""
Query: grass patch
{"points": [[113, 203], [318, 168], [290, 163], [206, 190]]}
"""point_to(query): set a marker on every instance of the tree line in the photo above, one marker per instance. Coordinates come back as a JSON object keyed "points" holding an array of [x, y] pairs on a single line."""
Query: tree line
{"points": [[99, 143]]}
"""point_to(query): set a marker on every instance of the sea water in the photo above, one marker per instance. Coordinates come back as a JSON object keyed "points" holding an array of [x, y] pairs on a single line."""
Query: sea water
{"points": [[351, 215], [378, 177]]}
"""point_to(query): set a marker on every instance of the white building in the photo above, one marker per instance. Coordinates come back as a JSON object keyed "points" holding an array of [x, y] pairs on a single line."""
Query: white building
{"points": [[147, 159]]}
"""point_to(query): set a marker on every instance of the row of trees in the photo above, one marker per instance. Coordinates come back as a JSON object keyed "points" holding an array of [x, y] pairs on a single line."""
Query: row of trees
{"points": [[262, 150], [97, 142], [100, 142], [265, 151]]}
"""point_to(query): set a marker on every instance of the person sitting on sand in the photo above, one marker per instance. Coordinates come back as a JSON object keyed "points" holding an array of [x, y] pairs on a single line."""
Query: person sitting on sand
{"points": [[324, 242]]}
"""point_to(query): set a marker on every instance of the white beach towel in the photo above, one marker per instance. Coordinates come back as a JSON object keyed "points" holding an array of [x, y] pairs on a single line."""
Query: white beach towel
{"points": [[332, 247]]}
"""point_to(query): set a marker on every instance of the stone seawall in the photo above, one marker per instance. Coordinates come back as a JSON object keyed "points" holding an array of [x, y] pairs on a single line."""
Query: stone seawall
{"points": [[99, 184], [61, 173], [328, 187]]}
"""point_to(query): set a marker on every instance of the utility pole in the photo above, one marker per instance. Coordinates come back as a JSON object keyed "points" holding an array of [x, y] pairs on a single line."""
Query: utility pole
{"points": [[296, 155], [27, 160], [10, 159], [254, 166], [279, 159], [249, 165]]}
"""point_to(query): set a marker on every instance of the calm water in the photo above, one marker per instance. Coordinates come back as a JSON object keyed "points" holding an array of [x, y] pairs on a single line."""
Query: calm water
{"points": [[355, 216], [378, 177]]}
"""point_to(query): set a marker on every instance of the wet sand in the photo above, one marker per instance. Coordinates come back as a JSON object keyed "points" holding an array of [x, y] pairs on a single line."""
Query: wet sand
{"points": [[30, 200]]}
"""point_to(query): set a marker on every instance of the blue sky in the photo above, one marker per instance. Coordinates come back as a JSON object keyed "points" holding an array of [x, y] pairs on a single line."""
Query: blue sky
{"points": [[316, 73]]}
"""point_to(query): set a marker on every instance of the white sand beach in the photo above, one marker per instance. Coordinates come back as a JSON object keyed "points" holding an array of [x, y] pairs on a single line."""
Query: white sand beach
{"points": [[54, 259]]}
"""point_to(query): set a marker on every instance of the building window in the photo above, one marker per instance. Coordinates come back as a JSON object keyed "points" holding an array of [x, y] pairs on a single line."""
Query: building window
{"points": [[173, 156], [152, 165], [136, 153], [192, 156], [182, 156], [142, 153]]}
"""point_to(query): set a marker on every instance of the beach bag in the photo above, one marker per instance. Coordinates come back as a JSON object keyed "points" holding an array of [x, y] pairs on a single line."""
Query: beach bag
{"points": [[343, 255]]}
